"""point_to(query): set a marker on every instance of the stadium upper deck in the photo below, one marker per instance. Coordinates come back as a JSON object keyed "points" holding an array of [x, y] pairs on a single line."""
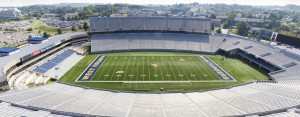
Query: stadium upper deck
{"points": [[111, 24]]}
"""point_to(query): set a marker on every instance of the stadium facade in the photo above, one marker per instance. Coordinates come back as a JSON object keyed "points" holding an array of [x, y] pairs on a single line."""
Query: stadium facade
{"points": [[276, 95], [10, 14]]}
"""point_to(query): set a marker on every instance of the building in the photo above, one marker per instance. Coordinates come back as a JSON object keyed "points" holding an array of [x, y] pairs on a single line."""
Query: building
{"points": [[37, 40], [6, 51], [10, 14], [262, 16], [51, 15], [221, 17], [70, 15], [250, 20], [116, 15], [239, 15], [216, 22]]}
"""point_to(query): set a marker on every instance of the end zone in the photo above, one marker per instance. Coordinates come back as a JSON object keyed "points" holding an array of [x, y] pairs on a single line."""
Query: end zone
{"points": [[90, 71], [223, 75]]}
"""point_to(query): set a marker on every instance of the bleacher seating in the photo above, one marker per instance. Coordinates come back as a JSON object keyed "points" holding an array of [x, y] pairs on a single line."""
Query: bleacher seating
{"points": [[245, 99], [53, 62], [104, 24], [166, 41]]}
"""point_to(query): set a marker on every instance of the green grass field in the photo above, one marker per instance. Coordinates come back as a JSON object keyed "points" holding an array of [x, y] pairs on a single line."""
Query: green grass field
{"points": [[136, 67], [139, 66], [39, 25]]}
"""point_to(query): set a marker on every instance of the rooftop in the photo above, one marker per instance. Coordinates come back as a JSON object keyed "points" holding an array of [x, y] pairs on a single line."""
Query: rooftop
{"points": [[37, 39], [8, 49]]}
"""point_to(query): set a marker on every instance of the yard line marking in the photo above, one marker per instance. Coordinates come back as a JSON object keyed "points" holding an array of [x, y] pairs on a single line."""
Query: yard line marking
{"points": [[163, 60], [154, 68], [209, 69], [102, 71], [123, 64], [137, 68], [144, 67], [171, 68], [162, 76], [128, 62], [182, 67], [173, 60], [133, 68], [149, 68], [194, 66], [197, 59], [116, 67]]}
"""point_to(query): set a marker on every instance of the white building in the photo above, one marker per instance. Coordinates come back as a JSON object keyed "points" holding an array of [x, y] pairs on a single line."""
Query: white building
{"points": [[10, 14], [251, 20], [262, 16], [70, 15], [51, 15]]}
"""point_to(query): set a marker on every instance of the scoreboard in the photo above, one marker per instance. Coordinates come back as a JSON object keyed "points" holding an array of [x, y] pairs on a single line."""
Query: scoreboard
{"points": [[289, 39]]}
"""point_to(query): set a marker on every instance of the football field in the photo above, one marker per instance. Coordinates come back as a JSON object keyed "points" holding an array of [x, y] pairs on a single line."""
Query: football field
{"points": [[154, 68]]}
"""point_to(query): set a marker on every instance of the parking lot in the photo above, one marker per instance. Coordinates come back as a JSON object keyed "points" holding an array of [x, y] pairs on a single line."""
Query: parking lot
{"points": [[14, 38], [62, 24], [16, 25]]}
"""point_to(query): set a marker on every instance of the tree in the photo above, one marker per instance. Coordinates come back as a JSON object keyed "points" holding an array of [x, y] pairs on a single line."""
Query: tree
{"points": [[226, 25], [80, 27], [59, 31], [85, 26], [29, 37], [218, 30], [230, 20], [77, 17], [46, 35], [249, 15], [283, 28], [74, 29], [29, 29], [242, 28], [213, 16]]}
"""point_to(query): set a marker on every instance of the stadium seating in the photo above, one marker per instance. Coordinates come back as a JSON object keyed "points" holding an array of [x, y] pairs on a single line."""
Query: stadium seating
{"points": [[63, 67], [104, 24], [167, 41], [162, 24], [126, 24], [289, 113], [53, 62], [246, 99], [150, 24]]}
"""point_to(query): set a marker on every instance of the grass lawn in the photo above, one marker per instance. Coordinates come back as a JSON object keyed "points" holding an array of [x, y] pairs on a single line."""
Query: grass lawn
{"points": [[40, 25], [182, 63]]}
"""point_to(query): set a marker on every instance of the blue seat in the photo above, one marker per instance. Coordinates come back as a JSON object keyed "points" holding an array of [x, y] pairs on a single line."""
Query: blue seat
{"points": [[57, 59], [53, 62], [48, 65], [39, 70], [66, 53]]}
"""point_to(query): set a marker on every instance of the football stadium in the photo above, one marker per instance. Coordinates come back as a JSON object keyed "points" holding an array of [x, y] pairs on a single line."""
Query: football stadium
{"points": [[150, 66]]}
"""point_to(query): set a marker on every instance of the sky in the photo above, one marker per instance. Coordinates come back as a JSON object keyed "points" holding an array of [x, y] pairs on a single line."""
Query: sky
{"points": [[18, 3]]}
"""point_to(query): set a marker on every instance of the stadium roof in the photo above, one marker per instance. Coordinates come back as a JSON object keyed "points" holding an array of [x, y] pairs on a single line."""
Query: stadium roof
{"points": [[31, 48], [37, 39], [8, 49]]}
